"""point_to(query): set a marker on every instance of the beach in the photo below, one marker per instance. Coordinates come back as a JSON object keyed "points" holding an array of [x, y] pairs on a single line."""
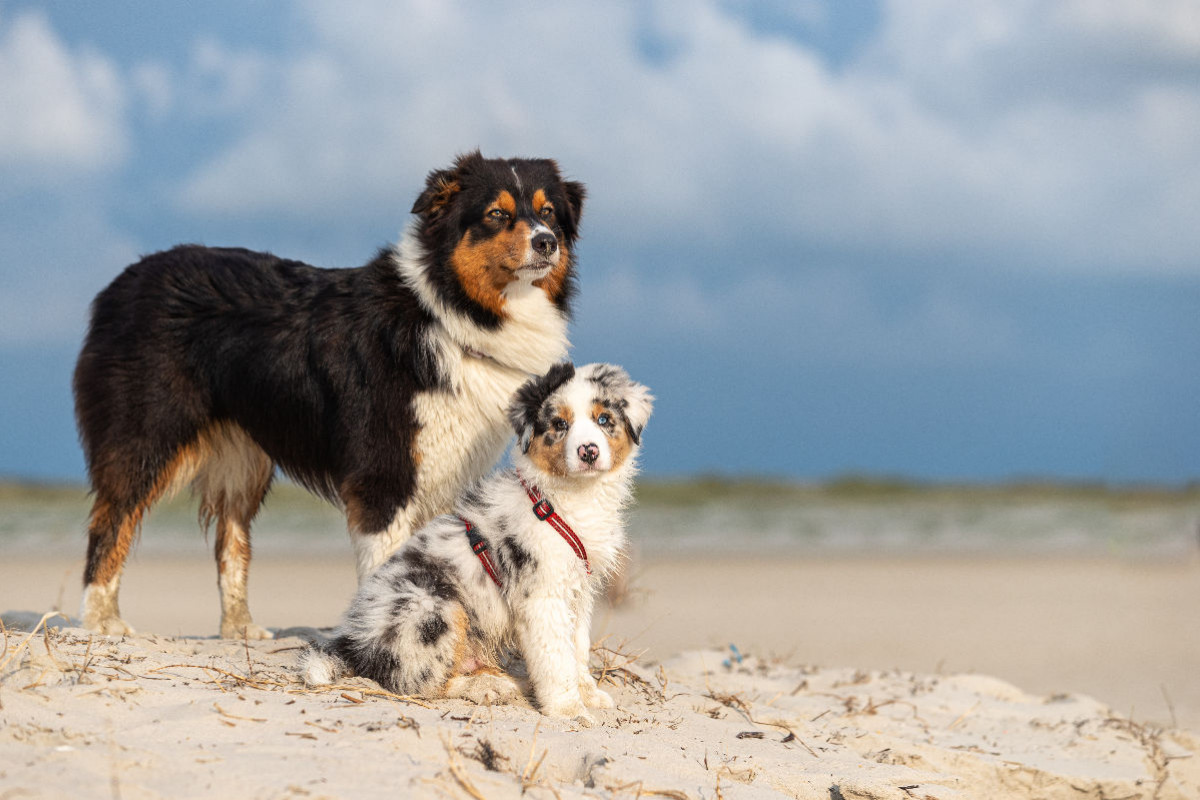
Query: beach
{"points": [[980, 676]]}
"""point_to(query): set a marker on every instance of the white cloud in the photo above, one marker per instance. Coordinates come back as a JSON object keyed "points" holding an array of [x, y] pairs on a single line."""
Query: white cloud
{"points": [[153, 83], [985, 130], [63, 110]]}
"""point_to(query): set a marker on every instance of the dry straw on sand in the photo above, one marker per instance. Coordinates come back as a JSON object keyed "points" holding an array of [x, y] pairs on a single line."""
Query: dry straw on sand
{"points": [[149, 716]]}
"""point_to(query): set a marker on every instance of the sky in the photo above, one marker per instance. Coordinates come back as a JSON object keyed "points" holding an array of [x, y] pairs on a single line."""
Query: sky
{"points": [[951, 240]]}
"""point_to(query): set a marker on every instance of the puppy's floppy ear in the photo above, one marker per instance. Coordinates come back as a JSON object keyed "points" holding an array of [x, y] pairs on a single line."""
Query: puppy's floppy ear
{"points": [[528, 400], [638, 405], [634, 399]]}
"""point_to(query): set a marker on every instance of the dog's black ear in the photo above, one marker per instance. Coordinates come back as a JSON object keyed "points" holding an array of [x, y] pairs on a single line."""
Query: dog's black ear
{"points": [[528, 400], [442, 184], [576, 193], [440, 188]]}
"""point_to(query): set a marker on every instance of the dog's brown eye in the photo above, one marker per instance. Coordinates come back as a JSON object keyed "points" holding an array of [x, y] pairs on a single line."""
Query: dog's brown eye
{"points": [[497, 213], [547, 212], [559, 424]]}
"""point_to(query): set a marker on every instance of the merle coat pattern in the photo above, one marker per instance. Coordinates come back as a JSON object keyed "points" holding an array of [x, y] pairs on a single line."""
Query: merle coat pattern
{"points": [[432, 622]]}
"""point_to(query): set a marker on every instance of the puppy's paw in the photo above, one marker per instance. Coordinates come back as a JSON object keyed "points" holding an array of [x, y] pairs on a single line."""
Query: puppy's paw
{"points": [[484, 688], [572, 709], [595, 697], [585, 720]]}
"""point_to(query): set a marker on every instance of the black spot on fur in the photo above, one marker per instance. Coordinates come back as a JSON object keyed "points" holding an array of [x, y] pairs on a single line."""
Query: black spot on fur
{"points": [[369, 660], [473, 494], [609, 377], [432, 629], [430, 574], [514, 558]]}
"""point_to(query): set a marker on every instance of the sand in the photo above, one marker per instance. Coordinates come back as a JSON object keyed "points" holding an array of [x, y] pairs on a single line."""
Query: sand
{"points": [[858, 678]]}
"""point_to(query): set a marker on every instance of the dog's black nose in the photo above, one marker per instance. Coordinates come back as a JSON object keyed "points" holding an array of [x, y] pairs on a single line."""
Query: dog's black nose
{"points": [[545, 243], [588, 453]]}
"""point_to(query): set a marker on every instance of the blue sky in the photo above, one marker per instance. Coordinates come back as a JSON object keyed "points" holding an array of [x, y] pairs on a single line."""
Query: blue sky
{"points": [[931, 238]]}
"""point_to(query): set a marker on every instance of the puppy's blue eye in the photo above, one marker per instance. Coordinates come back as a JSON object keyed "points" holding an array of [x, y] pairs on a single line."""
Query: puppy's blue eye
{"points": [[603, 419]]}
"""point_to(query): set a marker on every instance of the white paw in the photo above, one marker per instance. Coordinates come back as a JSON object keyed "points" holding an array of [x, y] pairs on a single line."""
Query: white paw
{"points": [[244, 630], [109, 626], [484, 688], [594, 697], [574, 710]]}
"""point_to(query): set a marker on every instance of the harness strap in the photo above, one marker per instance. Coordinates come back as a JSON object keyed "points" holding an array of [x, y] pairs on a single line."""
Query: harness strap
{"points": [[479, 547], [546, 513]]}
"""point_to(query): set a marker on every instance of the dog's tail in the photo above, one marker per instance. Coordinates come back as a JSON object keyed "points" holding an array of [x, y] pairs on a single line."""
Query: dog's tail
{"points": [[320, 665]]}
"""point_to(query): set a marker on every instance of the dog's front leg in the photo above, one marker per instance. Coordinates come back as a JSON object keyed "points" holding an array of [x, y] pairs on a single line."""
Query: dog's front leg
{"points": [[593, 696], [546, 632], [372, 547]]}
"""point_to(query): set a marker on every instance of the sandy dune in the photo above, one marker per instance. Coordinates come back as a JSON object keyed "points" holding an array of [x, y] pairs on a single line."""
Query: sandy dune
{"points": [[158, 715]]}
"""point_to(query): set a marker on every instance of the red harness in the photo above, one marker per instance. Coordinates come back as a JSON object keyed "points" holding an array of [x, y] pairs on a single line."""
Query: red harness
{"points": [[546, 513], [479, 547]]}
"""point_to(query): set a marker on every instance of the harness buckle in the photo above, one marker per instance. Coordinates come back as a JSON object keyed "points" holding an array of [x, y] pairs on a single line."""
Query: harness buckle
{"points": [[543, 509]]}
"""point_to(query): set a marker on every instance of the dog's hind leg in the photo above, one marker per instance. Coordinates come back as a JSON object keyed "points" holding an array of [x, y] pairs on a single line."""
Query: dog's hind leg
{"points": [[232, 484], [111, 530], [125, 489]]}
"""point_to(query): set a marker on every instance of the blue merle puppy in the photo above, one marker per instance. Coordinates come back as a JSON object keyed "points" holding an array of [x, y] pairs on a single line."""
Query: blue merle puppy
{"points": [[517, 567]]}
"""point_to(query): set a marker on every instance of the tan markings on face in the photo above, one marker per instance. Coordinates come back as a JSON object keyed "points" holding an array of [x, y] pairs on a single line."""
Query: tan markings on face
{"points": [[552, 283], [506, 202], [619, 443], [555, 280], [486, 265], [548, 452]]}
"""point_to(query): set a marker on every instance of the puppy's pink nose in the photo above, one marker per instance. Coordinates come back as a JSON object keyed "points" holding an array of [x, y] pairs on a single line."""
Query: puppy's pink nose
{"points": [[588, 453]]}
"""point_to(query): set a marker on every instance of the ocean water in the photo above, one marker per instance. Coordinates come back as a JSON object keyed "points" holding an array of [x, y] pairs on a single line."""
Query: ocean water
{"points": [[715, 519]]}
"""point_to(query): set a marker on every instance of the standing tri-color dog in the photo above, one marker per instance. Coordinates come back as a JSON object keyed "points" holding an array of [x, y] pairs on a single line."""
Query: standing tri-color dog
{"points": [[382, 388], [517, 567]]}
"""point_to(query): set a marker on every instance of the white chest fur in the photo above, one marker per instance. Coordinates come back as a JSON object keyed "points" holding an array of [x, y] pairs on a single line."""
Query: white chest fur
{"points": [[463, 428]]}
